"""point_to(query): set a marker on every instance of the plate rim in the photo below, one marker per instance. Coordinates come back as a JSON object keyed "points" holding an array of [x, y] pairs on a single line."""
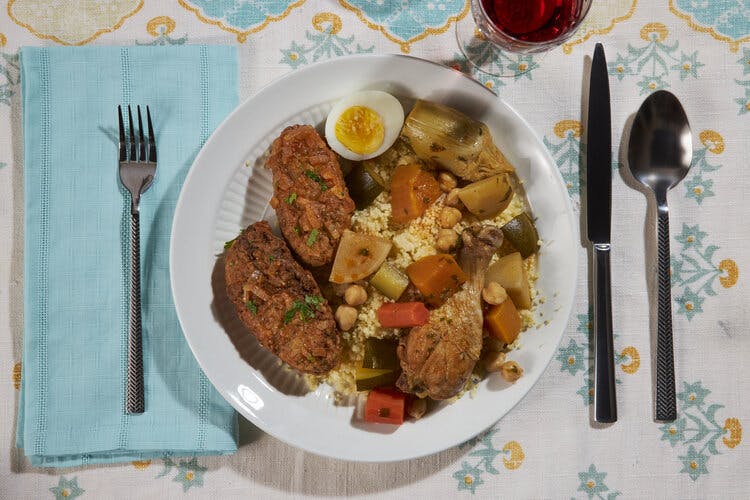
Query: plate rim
{"points": [[298, 73]]}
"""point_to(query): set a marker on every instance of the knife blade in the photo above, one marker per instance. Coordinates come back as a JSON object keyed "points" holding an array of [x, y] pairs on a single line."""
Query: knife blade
{"points": [[599, 152], [598, 224]]}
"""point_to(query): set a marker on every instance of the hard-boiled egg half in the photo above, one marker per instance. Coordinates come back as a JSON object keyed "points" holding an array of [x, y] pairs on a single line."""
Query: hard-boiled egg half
{"points": [[364, 124]]}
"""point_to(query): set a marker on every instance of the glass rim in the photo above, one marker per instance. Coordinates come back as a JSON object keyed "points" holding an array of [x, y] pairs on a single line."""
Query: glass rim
{"points": [[553, 41]]}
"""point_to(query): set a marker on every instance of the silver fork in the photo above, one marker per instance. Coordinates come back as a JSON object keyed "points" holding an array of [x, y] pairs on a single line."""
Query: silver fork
{"points": [[137, 170]]}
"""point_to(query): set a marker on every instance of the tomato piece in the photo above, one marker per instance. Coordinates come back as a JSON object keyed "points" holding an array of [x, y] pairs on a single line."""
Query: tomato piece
{"points": [[437, 277], [385, 406], [402, 314]]}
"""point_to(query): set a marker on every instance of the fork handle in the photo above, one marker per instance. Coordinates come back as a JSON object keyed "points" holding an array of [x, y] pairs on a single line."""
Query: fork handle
{"points": [[134, 403], [666, 404]]}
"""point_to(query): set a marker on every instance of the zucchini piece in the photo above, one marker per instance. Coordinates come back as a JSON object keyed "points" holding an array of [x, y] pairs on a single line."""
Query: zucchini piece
{"points": [[390, 281], [521, 233], [509, 272], [362, 187], [368, 378], [381, 354]]}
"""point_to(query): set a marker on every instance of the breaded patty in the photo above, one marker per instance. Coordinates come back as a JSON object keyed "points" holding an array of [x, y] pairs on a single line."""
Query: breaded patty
{"points": [[280, 302], [310, 197]]}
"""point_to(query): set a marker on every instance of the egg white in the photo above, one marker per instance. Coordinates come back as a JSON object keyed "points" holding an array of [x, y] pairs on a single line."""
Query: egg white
{"points": [[385, 105]]}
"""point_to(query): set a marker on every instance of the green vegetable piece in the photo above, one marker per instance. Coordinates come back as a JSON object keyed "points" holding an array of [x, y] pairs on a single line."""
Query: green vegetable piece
{"points": [[390, 281], [228, 244], [252, 306], [362, 187], [381, 354], [521, 233], [368, 378], [290, 199], [312, 237], [312, 175]]}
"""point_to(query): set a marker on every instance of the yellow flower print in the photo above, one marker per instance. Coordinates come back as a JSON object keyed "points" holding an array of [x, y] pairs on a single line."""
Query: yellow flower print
{"points": [[154, 24], [735, 432], [516, 455], [141, 464], [659, 29], [327, 22], [731, 273], [635, 360], [713, 141], [564, 126], [3, 40]]}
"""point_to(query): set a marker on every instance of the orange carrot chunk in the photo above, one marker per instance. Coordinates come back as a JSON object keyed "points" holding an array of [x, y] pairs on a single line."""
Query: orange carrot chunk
{"points": [[504, 322], [412, 191], [385, 406], [402, 314], [437, 277]]}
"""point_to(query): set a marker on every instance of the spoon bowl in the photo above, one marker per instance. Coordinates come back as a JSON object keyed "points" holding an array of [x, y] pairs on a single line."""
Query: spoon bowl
{"points": [[661, 146], [660, 152]]}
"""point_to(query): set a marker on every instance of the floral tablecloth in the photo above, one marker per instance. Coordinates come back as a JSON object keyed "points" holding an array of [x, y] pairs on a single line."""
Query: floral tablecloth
{"points": [[546, 447]]}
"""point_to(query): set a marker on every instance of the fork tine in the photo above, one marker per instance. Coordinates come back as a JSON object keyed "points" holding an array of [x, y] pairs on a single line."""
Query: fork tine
{"points": [[132, 135], [141, 140], [151, 139], [122, 145]]}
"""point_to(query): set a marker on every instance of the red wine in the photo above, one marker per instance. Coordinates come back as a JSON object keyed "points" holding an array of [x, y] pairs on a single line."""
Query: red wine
{"points": [[533, 20]]}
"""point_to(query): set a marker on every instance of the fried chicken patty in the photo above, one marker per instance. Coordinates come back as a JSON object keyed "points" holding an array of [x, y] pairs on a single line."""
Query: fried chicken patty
{"points": [[310, 197], [280, 302]]}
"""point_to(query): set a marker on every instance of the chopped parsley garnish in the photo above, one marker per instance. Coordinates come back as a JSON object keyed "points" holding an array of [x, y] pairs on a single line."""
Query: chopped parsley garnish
{"points": [[228, 244], [312, 237], [297, 229], [252, 306], [364, 252], [271, 258], [305, 308], [312, 175], [290, 199]]}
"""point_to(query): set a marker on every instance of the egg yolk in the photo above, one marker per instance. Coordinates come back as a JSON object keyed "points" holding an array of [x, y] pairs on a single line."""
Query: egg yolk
{"points": [[360, 130]]}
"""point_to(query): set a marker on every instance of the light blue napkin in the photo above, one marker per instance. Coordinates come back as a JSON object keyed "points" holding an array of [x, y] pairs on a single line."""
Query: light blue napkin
{"points": [[76, 254]]}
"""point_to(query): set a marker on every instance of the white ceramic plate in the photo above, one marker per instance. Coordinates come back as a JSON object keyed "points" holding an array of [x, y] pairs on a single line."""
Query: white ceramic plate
{"points": [[228, 189]]}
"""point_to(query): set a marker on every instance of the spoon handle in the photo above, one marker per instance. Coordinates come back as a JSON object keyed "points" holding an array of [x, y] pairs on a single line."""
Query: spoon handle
{"points": [[605, 401], [666, 405]]}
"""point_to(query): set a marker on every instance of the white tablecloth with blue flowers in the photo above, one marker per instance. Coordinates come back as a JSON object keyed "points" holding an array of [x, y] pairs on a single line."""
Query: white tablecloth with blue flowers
{"points": [[546, 447]]}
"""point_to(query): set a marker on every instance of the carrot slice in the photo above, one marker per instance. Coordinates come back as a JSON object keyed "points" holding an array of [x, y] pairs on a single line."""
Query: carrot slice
{"points": [[504, 322], [437, 277], [385, 406], [402, 314], [412, 191]]}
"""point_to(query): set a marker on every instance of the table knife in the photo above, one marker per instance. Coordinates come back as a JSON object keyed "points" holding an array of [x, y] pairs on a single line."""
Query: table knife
{"points": [[598, 223]]}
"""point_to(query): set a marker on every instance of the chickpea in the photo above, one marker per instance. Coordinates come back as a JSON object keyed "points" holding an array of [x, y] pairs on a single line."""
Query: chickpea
{"points": [[417, 408], [493, 293], [355, 295], [493, 361], [447, 240], [447, 181], [449, 217], [452, 199], [511, 371], [345, 316]]}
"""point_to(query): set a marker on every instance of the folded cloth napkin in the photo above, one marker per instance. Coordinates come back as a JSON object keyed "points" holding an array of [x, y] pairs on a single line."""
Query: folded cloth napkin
{"points": [[76, 254]]}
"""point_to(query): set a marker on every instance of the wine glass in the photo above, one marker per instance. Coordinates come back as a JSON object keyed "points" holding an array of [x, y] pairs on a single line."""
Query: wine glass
{"points": [[501, 36]]}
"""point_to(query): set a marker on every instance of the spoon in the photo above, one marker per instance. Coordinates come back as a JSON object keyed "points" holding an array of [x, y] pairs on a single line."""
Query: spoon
{"points": [[659, 155]]}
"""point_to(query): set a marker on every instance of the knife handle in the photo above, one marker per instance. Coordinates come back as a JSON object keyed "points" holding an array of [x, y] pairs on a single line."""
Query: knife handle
{"points": [[666, 404], [605, 400]]}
